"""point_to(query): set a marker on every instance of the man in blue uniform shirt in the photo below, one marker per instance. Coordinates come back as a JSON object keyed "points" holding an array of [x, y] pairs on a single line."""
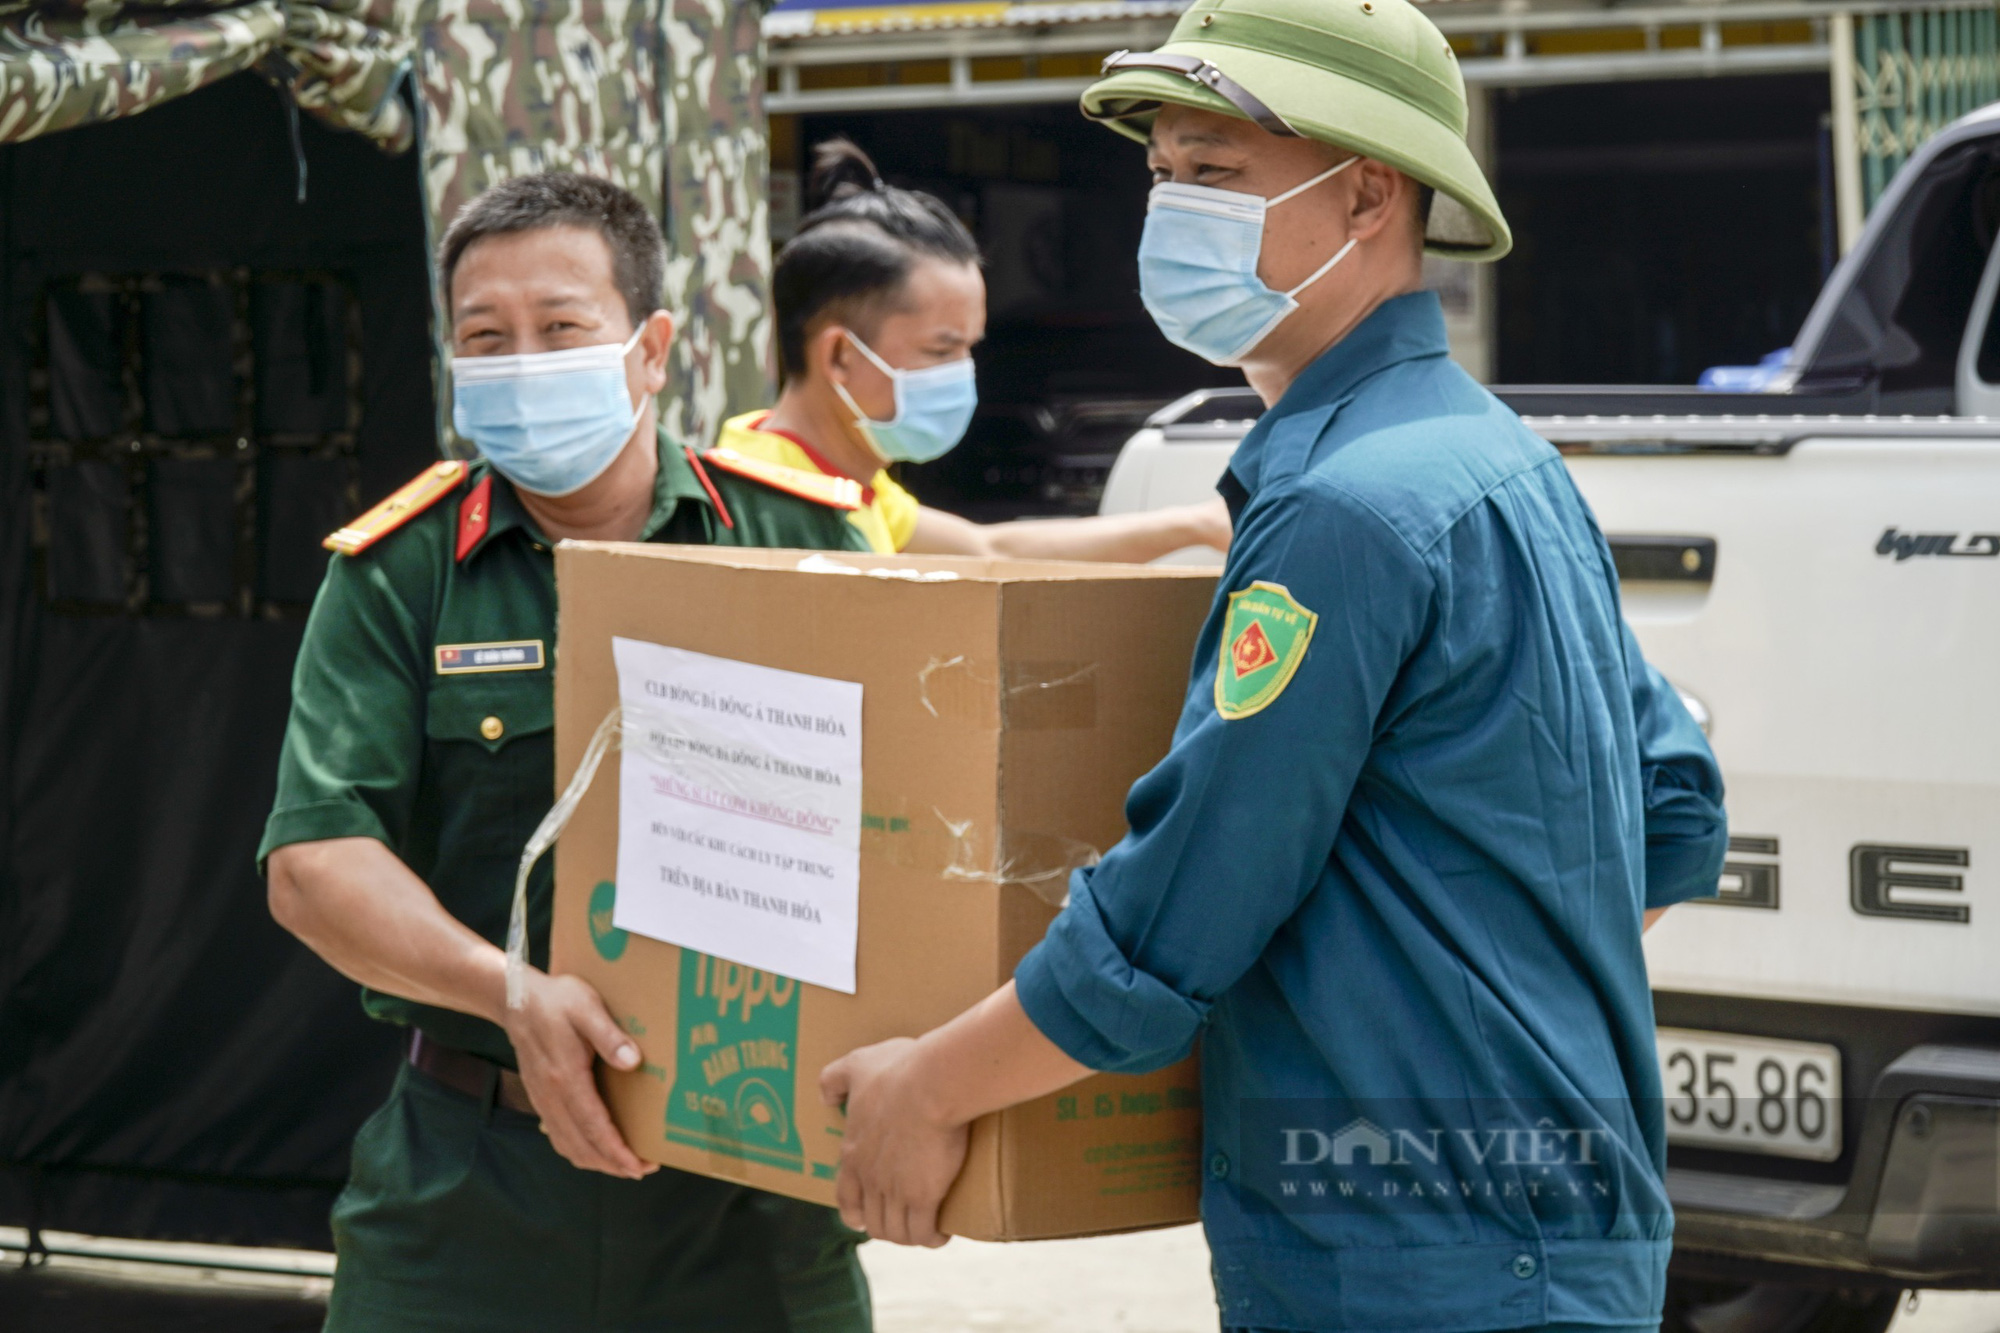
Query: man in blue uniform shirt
{"points": [[1425, 792]]}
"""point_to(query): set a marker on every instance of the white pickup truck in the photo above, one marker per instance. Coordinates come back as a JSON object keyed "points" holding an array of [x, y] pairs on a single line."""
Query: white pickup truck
{"points": [[1817, 567]]}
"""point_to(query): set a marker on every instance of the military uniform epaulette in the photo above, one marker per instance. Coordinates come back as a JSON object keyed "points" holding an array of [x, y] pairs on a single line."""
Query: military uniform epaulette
{"points": [[413, 498], [818, 487]]}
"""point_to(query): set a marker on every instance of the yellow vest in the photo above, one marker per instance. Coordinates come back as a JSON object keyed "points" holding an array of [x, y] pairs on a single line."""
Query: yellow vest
{"points": [[888, 513]]}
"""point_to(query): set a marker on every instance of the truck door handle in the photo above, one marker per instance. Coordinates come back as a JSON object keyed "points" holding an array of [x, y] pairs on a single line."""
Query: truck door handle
{"points": [[1663, 559]]}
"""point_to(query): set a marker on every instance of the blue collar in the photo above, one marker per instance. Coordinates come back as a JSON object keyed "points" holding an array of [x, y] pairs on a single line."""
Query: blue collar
{"points": [[1403, 328]]}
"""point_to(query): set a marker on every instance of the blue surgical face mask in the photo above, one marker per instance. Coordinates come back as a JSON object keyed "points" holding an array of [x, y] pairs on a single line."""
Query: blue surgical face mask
{"points": [[550, 422], [933, 407], [1198, 268]]}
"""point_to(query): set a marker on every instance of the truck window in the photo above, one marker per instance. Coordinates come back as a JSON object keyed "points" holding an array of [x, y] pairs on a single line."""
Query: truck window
{"points": [[1987, 364], [1902, 319]]}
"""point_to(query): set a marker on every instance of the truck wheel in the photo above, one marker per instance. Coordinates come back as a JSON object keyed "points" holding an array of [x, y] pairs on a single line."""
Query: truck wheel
{"points": [[1775, 1307]]}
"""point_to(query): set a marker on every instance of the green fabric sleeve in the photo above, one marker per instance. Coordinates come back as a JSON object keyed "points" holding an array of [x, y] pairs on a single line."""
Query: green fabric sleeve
{"points": [[354, 744]]}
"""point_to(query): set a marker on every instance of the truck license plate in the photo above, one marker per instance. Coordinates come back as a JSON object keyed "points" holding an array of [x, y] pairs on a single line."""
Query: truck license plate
{"points": [[1751, 1094]]}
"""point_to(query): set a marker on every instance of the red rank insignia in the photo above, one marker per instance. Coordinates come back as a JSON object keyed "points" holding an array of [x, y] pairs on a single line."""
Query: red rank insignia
{"points": [[475, 512]]}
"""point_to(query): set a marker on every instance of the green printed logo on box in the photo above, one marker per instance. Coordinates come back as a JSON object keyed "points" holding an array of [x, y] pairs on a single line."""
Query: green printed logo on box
{"points": [[610, 940], [734, 1081]]}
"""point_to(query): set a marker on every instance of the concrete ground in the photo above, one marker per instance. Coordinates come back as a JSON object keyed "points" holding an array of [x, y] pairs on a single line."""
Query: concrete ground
{"points": [[1147, 1282], [1152, 1282]]}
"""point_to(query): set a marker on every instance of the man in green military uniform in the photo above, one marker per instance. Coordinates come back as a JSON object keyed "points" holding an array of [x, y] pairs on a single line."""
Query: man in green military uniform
{"points": [[492, 1190]]}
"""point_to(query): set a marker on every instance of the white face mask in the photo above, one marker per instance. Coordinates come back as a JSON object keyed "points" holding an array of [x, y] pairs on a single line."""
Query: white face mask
{"points": [[934, 406], [1198, 267], [550, 422]]}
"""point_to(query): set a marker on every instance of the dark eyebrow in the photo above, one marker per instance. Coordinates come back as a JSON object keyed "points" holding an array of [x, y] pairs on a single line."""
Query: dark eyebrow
{"points": [[546, 303], [1192, 139]]}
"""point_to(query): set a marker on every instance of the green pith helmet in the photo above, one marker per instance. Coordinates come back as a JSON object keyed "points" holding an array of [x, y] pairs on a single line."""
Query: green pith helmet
{"points": [[1372, 76]]}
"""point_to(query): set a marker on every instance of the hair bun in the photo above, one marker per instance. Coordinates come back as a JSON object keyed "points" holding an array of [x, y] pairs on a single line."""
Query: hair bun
{"points": [[839, 169]]}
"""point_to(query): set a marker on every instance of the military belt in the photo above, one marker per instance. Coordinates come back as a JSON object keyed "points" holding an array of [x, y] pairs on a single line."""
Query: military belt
{"points": [[474, 1075]]}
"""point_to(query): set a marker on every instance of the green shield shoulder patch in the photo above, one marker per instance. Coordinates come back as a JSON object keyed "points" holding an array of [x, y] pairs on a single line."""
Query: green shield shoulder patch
{"points": [[1264, 638]]}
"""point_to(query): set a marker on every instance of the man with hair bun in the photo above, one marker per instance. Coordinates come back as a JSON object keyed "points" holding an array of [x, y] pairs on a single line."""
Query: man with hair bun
{"points": [[1425, 793], [879, 303], [492, 1190]]}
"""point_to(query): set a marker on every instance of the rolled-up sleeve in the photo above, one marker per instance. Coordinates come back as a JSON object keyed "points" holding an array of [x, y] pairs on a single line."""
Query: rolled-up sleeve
{"points": [[1234, 827], [1687, 831], [353, 744]]}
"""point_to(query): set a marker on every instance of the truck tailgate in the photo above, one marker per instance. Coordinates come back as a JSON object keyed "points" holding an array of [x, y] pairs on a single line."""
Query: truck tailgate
{"points": [[1845, 642]]}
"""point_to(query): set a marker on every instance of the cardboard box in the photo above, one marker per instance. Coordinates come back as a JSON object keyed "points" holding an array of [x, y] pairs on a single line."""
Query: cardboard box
{"points": [[1007, 708]]}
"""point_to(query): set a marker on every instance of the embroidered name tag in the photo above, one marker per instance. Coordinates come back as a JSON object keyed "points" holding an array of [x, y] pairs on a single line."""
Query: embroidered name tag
{"points": [[455, 659]]}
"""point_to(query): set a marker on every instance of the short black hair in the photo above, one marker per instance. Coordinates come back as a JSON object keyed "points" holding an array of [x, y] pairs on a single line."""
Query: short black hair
{"points": [[567, 199], [855, 248]]}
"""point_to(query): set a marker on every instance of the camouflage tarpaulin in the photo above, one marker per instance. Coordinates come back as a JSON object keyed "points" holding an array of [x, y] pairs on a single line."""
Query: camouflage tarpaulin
{"points": [[513, 86], [662, 96], [348, 59], [65, 64], [718, 224]]}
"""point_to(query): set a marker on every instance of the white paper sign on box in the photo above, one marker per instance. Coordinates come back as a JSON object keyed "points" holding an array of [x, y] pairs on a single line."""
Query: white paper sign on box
{"points": [[739, 811]]}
